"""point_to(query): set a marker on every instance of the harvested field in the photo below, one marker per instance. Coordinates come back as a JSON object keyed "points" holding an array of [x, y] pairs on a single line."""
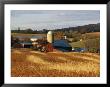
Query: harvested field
{"points": [[97, 34], [29, 63]]}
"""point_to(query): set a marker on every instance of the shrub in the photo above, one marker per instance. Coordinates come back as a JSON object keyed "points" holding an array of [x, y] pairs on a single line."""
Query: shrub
{"points": [[14, 40]]}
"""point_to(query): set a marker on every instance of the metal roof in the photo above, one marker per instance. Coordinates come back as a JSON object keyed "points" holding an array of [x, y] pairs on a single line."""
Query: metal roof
{"points": [[26, 43], [61, 43]]}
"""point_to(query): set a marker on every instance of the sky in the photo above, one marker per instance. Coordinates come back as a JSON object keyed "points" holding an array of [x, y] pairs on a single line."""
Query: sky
{"points": [[52, 19]]}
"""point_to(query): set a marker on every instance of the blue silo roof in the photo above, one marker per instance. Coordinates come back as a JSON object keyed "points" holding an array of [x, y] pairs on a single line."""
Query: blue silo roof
{"points": [[61, 43]]}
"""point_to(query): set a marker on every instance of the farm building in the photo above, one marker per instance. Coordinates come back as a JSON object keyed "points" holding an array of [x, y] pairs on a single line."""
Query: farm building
{"points": [[35, 38], [44, 43], [50, 37], [22, 45], [62, 45], [27, 41], [26, 44]]}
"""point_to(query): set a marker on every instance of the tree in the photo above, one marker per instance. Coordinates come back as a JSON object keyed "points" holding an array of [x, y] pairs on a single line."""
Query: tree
{"points": [[14, 40], [83, 30], [45, 31], [18, 29], [29, 30], [58, 35]]}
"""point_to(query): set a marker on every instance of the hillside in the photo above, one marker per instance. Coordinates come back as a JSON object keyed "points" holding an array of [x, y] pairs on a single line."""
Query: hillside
{"points": [[89, 36], [80, 29]]}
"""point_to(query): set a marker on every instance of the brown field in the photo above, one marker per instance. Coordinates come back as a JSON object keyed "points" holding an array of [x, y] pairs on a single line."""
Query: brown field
{"points": [[29, 63], [95, 34]]}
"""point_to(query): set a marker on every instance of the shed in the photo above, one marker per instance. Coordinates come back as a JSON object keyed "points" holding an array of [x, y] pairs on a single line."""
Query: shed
{"points": [[62, 45], [35, 38], [26, 44]]}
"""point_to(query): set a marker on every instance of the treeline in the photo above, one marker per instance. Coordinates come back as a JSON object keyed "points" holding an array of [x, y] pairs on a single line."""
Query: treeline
{"points": [[82, 29], [79, 29], [29, 31]]}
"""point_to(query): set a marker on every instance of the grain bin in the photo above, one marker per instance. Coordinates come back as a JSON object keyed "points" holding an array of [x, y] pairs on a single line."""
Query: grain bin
{"points": [[50, 37]]}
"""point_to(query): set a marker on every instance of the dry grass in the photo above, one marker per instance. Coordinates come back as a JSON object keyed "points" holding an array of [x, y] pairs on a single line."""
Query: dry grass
{"points": [[26, 62], [96, 34]]}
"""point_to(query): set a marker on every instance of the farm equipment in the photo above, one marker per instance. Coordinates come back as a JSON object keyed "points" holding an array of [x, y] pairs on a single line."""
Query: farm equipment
{"points": [[43, 46]]}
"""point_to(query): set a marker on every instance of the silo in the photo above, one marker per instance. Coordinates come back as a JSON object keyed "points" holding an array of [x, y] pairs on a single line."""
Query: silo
{"points": [[50, 37]]}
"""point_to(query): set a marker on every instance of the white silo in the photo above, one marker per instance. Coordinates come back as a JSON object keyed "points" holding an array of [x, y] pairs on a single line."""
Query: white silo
{"points": [[50, 37]]}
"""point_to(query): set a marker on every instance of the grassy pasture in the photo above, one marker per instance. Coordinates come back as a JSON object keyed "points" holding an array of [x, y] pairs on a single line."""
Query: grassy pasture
{"points": [[89, 36]]}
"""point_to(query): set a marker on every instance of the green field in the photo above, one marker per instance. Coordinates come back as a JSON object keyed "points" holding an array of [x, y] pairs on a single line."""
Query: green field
{"points": [[81, 44], [77, 44]]}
